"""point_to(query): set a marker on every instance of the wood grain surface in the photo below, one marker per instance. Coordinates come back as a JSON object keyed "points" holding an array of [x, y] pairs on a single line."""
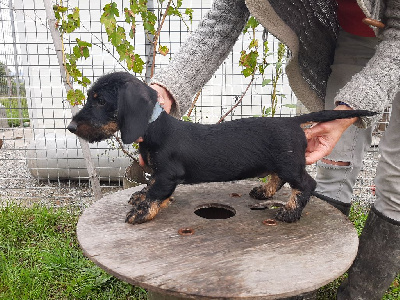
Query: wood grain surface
{"points": [[234, 258]]}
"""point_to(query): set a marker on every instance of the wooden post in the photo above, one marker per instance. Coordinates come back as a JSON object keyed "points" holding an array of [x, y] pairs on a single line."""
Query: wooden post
{"points": [[94, 179], [21, 120]]}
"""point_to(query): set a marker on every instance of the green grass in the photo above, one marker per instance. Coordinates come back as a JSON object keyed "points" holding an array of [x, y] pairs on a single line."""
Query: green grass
{"points": [[12, 110], [40, 259]]}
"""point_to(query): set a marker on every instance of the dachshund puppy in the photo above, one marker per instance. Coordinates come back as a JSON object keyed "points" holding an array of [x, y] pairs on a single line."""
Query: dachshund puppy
{"points": [[184, 152]]}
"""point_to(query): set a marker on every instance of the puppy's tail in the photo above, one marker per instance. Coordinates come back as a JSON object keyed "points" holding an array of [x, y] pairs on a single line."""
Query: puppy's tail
{"points": [[329, 115]]}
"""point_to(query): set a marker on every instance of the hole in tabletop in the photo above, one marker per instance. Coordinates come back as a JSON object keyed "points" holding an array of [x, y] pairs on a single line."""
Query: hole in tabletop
{"points": [[215, 211], [186, 231]]}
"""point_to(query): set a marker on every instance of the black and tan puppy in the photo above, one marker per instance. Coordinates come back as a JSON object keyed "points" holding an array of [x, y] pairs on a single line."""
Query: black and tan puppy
{"points": [[183, 152]]}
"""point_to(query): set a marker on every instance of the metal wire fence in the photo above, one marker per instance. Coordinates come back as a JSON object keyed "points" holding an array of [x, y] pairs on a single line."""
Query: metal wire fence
{"points": [[40, 160]]}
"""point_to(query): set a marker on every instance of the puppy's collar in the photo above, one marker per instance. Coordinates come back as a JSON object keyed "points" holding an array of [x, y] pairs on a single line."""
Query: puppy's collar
{"points": [[157, 110]]}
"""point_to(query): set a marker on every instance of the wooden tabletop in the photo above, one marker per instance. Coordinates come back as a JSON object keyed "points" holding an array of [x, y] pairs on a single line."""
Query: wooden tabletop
{"points": [[239, 257]]}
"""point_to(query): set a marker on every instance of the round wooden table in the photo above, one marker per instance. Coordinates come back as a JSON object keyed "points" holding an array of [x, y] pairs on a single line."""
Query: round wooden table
{"points": [[209, 244]]}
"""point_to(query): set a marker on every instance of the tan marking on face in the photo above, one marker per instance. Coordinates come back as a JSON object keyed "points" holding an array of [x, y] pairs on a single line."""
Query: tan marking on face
{"points": [[110, 128], [82, 129]]}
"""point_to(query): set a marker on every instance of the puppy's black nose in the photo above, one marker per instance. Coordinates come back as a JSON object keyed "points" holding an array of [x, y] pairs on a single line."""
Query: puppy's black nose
{"points": [[72, 126]]}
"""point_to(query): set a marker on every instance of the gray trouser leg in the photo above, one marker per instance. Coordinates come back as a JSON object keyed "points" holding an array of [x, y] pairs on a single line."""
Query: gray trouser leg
{"points": [[378, 258], [352, 54], [388, 171], [337, 181]]}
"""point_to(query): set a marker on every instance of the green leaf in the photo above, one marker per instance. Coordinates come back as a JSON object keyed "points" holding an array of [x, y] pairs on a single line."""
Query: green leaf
{"points": [[172, 11], [85, 52], [85, 81], [149, 27], [132, 31], [108, 17], [189, 13], [75, 97], [75, 14], [130, 17], [267, 111], [59, 11], [266, 82], [72, 22], [248, 60], [75, 73], [118, 36], [290, 105], [253, 43], [83, 43], [135, 63], [247, 72], [111, 10], [149, 21], [265, 44], [76, 51], [261, 69], [186, 119], [251, 23], [163, 50]]}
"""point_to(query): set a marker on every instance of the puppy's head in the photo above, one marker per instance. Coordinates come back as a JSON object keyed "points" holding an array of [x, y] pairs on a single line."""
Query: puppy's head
{"points": [[116, 101]]}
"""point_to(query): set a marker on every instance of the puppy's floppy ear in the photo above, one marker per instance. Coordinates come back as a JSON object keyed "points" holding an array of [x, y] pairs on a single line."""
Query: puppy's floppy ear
{"points": [[136, 101]]}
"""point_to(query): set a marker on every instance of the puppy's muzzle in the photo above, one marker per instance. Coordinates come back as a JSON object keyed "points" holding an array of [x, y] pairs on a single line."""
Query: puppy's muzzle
{"points": [[73, 126]]}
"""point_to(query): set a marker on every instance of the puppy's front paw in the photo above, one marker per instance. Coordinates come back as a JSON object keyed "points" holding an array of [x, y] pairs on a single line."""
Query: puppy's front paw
{"points": [[142, 212], [260, 193], [288, 215]]}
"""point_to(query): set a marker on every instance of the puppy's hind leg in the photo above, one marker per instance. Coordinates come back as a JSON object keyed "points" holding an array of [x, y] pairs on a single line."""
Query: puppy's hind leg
{"points": [[156, 195], [301, 193], [267, 190]]}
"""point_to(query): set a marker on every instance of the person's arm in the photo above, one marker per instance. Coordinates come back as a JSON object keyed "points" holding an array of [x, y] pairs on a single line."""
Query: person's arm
{"points": [[372, 89], [377, 84], [201, 55]]}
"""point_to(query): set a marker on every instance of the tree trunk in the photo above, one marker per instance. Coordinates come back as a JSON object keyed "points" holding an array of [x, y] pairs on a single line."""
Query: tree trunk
{"points": [[94, 179]]}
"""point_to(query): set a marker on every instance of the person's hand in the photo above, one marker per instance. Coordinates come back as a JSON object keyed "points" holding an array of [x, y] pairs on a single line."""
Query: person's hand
{"points": [[164, 97], [322, 137], [166, 101]]}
